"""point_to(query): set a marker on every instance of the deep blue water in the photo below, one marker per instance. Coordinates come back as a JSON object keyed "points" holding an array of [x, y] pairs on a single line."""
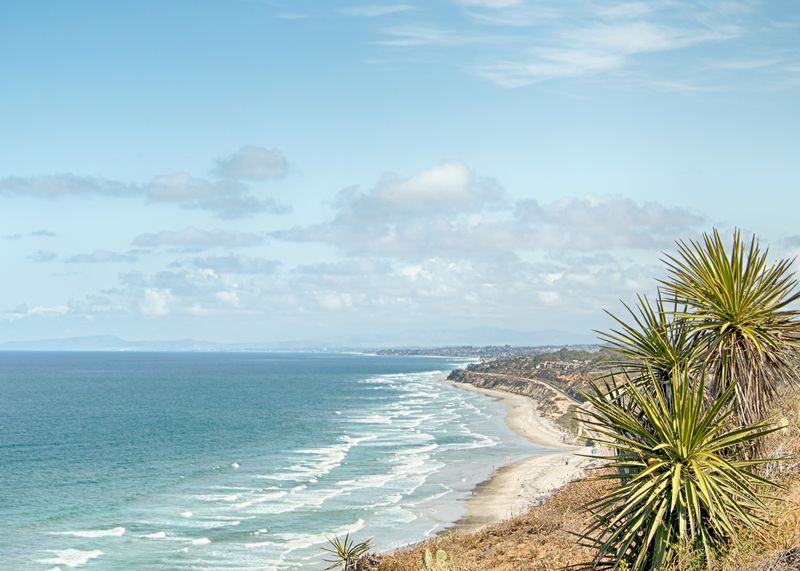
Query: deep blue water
{"points": [[231, 461]]}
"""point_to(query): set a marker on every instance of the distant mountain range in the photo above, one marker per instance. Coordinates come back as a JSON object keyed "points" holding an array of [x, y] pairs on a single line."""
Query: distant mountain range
{"points": [[426, 338]]}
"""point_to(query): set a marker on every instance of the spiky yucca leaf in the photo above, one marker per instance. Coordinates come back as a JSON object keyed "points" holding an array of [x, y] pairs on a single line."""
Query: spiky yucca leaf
{"points": [[677, 483], [653, 342], [741, 315], [346, 552]]}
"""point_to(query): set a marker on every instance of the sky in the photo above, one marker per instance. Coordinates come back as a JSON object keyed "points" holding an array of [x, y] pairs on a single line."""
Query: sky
{"points": [[355, 173]]}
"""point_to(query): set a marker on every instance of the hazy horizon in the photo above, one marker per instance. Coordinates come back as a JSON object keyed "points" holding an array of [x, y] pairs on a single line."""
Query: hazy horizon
{"points": [[271, 171]]}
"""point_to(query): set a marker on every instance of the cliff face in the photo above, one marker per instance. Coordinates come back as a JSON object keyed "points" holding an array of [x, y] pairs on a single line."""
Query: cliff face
{"points": [[550, 402]]}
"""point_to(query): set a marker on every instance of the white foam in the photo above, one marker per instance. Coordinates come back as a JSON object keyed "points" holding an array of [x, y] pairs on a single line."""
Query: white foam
{"points": [[373, 419], [260, 499], [186, 514], [219, 497], [156, 535], [308, 498], [293, 541], [330, 457], [116, 532], [201, 541], [213, 523], [373, 481], [72, 557], [417, 450], [398, 515]]}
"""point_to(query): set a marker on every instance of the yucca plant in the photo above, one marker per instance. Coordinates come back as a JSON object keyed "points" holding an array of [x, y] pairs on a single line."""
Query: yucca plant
{"points": [[346, 552], [741, 315], [677, 484], [653, 342]]}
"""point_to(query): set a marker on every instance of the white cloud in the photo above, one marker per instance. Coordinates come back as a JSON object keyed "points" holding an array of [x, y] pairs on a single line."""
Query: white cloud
{"points": [[491, 3], [447, 187], [253, 163], [598, 47], [549, 297], [230, 298], [227, 197], [33, 234], [447, 211], [625, 10], [197, 239], [376, 10], [156, 302], [426, 35], [41, 256], [43, 234], [22, 311], [65, 185], [236, 264], [570, 40], [102, 257], [594, 222]]}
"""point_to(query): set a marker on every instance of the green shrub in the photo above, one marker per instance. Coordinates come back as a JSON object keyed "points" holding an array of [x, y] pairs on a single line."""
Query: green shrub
{"points": [[679, 484]]}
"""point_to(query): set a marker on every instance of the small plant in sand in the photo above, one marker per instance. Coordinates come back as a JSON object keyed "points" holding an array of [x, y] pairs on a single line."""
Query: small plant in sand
{"points": [[346, 552]]}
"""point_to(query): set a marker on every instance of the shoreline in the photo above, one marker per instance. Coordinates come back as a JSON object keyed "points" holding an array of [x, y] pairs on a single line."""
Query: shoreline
{"points": [[513, 488]]}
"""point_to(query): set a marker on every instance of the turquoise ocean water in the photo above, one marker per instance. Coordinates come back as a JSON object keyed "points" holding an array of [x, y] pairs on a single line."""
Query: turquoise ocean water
{"points": [[161, 461]]}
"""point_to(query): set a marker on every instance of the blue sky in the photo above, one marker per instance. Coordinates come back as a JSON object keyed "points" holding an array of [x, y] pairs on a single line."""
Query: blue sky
{"points": [[292, 170]]}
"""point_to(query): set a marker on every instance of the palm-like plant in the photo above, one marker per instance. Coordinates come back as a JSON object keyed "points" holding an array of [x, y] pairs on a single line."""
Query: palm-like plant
{"points": [[677, 484], [654, 342], [741, 316], [346, 552]]}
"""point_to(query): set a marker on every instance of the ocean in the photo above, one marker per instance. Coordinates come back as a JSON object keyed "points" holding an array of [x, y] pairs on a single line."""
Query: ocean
{"points": [[178, 461]]}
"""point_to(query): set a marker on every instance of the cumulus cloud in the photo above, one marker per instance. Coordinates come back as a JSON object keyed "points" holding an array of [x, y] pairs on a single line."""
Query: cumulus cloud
{"points": [[227, 198], [155, 302], [603, 222], [236, 264], [447, 211], [432, 210], [192, 239], [253, 163], [192, 291]]}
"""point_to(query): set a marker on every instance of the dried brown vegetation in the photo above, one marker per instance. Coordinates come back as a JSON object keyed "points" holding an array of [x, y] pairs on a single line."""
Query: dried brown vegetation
{"points": [[543, 539]]}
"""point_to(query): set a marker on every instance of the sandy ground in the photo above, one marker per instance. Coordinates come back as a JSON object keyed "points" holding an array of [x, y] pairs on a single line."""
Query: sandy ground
{"points": [[513, 488]]}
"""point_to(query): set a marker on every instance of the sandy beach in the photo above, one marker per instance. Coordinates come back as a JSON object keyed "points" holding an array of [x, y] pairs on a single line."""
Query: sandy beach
{"points": [[511, 489]]}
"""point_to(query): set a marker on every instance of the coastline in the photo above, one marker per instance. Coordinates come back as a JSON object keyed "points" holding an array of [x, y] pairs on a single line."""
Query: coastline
{"points": [[513, 488]]}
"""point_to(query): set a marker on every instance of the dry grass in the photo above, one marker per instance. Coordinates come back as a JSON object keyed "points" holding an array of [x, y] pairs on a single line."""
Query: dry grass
{"points": [[541, 540], [544, 538], [777, 547]]}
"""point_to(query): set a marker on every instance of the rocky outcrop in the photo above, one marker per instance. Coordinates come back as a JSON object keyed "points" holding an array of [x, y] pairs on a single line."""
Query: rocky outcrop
{"points": [[550, 401]]}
